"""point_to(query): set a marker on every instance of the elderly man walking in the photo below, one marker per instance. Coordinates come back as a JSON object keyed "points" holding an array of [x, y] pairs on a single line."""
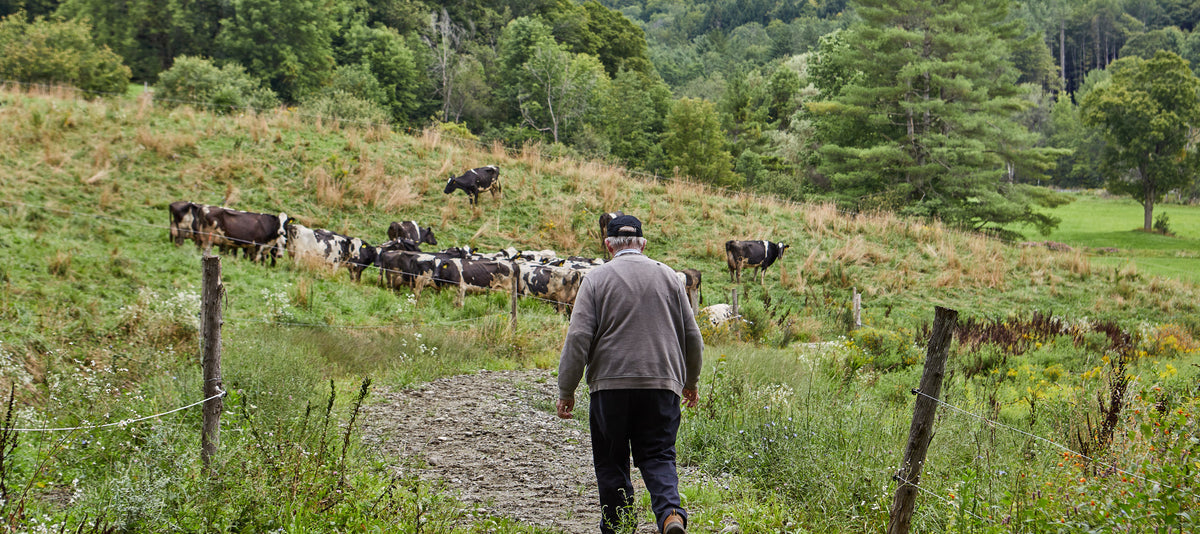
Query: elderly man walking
{"points": [[633, 331]]}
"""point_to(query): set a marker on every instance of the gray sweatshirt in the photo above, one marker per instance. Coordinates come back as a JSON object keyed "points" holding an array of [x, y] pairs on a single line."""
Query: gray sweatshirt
{"points": [[632, 328]]}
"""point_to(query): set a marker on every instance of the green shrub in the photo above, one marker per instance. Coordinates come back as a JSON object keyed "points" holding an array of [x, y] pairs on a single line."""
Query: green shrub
{"points": [[353, 95], [58, 52], [198, 82], [882, 349], [345, 107], [1162, 224]]}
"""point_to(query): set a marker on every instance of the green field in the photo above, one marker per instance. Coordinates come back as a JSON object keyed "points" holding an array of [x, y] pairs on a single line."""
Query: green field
{"points": [[803, 416], [1097, 222]]}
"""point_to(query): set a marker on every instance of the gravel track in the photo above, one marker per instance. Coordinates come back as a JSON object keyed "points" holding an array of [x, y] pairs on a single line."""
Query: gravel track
{"points": [[493, 439]]}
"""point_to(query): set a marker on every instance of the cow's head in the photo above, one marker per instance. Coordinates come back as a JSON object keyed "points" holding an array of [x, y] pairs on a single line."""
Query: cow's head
{"points": [[427, 235], [450, 185], [364, 254]]}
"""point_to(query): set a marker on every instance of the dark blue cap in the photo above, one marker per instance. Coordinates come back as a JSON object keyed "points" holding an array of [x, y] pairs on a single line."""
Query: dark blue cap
{"points": [[625, 226]]}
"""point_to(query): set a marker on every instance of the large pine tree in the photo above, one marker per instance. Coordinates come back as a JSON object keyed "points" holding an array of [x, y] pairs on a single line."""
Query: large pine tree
{"points": [[920, 114]]}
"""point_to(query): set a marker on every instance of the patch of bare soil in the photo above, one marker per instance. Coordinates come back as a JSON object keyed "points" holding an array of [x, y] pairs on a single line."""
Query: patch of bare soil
{"points": [[493, 438]]}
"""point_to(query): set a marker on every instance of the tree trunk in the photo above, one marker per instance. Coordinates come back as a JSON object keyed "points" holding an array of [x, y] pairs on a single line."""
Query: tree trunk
{"points": [[1150, 190], [1148, 223], [1062, 52]]}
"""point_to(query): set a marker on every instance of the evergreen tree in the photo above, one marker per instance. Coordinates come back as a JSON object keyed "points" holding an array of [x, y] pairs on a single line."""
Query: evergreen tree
{"points": [[920, 116]]}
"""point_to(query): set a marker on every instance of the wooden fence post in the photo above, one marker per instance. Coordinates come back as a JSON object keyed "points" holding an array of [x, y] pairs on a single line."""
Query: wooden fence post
{"points": [[516, 269], [856, 303], [210, 331], [735, 302], [921, 431]]}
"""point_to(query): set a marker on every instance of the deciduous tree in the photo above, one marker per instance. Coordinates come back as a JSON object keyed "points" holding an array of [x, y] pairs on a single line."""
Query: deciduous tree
{"points": [[1149, 111], [694, 144]]}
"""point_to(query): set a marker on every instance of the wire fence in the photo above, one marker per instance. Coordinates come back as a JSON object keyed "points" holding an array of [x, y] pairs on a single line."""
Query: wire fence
{"points": [[119, 424], [945, 497]]}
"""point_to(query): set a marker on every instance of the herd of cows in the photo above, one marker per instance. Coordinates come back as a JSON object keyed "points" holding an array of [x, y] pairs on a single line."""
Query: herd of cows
{"points": [[401, 262]]}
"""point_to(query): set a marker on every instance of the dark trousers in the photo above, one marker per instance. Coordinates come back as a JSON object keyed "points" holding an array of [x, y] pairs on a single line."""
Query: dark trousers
{"points": [[641, 422]]}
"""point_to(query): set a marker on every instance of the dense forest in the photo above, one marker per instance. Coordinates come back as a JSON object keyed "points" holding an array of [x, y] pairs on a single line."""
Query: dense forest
{"points": [[955, 111]]}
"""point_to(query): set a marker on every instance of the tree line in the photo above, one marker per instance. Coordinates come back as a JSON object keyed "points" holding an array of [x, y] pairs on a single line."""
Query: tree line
{"points": [[951, 111]]}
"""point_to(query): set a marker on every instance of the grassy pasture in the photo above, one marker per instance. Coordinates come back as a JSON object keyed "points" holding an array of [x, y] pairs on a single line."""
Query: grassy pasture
{"points": [[1099, 221], [803, 419]]}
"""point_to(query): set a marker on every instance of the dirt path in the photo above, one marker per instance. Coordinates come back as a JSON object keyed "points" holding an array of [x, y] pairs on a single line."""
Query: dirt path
{"points": [[493, 438]]}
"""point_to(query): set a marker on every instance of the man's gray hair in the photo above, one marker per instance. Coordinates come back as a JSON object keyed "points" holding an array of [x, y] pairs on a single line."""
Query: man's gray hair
{"points": [[623, 242]]}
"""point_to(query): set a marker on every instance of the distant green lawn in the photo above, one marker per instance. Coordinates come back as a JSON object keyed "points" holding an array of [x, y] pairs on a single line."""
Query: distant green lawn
{"points": [[1098, 222]]}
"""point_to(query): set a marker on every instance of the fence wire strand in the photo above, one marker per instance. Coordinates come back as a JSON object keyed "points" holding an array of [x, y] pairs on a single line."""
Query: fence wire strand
{"points": [[121, 423], [1044, 440]]}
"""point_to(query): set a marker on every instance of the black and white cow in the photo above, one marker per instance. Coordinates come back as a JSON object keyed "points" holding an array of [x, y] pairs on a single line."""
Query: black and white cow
{"points": [[559, 285], [305, 244], [476, 181], [755, 254], [604, 220], [260, 235], [478, 275], [417, 269], [411, 230]]}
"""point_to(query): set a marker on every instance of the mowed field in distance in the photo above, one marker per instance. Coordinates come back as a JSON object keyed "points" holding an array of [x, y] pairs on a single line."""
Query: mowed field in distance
{"points": [[1098, 221]]}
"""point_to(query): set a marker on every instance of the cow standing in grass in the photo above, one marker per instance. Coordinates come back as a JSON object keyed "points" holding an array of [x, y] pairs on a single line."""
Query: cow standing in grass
{"points": [[476, 181], [754, 254], [260, 235]]}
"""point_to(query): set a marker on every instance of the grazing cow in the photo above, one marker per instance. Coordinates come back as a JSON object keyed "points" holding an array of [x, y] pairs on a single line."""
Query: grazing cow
{"points": [[411, 230], [331, 248], [185, 222], [258, 232], [755, 254], [604, 219], [717, 314], [476, 181], [691, 283], [559, 285]]}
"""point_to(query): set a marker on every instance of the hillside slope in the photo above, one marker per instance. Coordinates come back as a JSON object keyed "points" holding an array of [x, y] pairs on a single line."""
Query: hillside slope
{"points": [[87, 184], [99, 315]]}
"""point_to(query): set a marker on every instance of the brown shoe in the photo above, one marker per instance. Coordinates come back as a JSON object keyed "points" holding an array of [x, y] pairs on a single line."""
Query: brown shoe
{"points": [[674, 524]]}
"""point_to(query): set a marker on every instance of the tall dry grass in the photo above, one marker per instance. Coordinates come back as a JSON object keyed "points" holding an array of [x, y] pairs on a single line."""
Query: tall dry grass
{"points": [[254, 125], [237, 167], [166, 144], [329, 190], [857, 251]]}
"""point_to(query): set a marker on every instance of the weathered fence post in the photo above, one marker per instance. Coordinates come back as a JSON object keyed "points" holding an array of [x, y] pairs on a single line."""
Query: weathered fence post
{"points": [[921, 431], [210, 362], [735, 302], [516, 269], [856, 302]]}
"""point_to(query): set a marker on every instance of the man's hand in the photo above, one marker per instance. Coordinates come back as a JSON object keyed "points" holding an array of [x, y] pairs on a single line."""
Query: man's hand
{"points": [[690, 398], [565, 407]]}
